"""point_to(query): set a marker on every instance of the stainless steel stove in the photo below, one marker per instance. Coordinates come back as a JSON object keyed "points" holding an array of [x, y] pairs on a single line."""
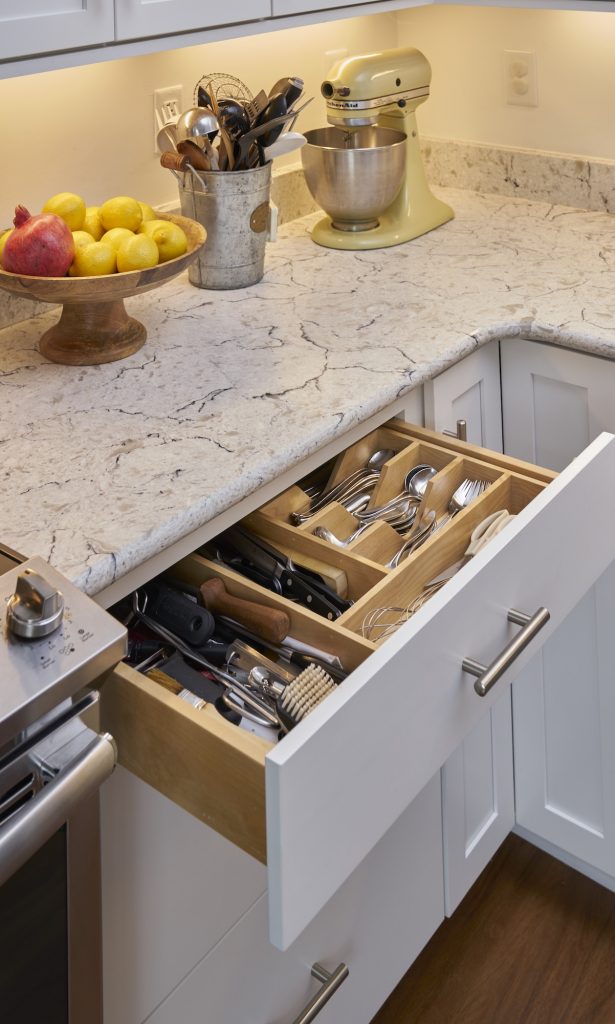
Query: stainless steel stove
{"points": [[55, 643]]}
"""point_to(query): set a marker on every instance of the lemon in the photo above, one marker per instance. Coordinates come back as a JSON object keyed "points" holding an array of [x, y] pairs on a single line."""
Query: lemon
{"points": [[137, 253], [170, 240], [93, 260], [121, 212], [68, 206], [92, 222], [147, 211], [3, 240], [81, 238], [150, 225], [116, 236]]}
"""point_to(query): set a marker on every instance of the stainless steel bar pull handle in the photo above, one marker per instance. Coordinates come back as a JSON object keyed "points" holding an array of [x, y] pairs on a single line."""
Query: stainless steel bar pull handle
{"points": [[461, 432], [330, 984], [488, 675], [31, 827]]}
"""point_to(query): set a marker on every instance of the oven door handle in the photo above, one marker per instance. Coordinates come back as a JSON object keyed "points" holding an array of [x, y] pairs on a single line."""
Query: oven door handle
{"points": [[29, 828]]}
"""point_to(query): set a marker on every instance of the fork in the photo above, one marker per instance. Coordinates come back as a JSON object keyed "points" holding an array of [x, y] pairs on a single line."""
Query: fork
{"points": [[467, 491]]}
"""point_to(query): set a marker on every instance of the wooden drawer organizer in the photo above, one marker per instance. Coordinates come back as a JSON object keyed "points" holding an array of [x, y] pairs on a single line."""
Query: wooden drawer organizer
{"points": [[178, 749], [511, 485]]}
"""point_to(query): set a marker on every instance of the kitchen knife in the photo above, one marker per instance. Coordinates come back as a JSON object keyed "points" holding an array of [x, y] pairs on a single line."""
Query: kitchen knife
{"points": [[281, 573]]}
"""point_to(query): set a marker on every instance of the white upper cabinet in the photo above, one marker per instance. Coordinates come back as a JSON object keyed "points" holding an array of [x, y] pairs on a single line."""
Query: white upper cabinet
{"points": [[279, 7], [40, 26], [136, 18]]}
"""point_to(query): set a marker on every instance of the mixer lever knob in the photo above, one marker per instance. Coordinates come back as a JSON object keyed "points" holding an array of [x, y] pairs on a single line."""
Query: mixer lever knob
{"points": [[36, 608]]}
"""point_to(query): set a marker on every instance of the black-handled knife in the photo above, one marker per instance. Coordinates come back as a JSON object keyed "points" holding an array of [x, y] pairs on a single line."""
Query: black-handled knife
{"points": [[283, 577]]}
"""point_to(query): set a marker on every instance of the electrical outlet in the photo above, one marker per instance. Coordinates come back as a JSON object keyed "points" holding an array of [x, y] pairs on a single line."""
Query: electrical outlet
{"points": [[330, 58], [168, 105], [521, 82]]}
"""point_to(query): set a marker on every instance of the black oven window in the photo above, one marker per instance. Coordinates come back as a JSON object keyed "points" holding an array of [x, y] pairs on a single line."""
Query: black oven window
{"points": [[34, 939]]}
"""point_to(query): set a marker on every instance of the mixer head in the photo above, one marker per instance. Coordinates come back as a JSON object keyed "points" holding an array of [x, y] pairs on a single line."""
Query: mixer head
{"points": [[359, 89]]}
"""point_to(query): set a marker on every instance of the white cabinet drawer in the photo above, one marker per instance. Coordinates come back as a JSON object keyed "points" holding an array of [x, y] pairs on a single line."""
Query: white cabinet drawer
{"points": [[376, 924], [336, 783]]}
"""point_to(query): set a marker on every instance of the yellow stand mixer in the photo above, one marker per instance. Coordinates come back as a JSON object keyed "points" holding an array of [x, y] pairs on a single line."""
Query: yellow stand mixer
{"points": [[346, 164]]}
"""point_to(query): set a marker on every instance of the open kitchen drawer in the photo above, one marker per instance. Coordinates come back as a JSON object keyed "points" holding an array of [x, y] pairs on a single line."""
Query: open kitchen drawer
{"points": [[325, 794]]}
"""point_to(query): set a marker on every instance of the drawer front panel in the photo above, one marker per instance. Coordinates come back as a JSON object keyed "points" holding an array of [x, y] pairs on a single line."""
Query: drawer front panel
{"points": [[343, 776], [376, 924]]}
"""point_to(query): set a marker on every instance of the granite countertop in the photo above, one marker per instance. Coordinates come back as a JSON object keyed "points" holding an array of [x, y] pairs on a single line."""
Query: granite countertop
{"points": [[106, 466]]}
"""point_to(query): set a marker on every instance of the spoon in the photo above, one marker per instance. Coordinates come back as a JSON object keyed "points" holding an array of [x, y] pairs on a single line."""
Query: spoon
{"points": [[415, 485], [398, 520], [196, 124], [286, 143], [415, 538], [372, 468]]}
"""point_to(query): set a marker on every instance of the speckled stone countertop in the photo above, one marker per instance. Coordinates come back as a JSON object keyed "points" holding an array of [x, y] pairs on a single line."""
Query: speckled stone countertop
{"points": [[103, 467]]}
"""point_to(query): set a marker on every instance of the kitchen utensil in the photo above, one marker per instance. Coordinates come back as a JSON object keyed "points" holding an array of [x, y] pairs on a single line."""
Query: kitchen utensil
{"points": [[374, 191], [399, 519], [244, 142], [482, 534], [254, 107], [332, 576], [166, 139], [415, 485], [217, 85], [233, 117], [290, 88], [253, 701], [171, 608], [382, 622], [225, 156], [347, 487], [197, 157], [94, 326], [297, 699], [278, 573], [270, 623], [275, 107], [417, 536], [195, 124], [286, 143], [467, 491]]}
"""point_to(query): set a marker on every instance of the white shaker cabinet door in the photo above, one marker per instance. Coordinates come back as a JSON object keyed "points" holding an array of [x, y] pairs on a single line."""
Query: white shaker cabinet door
{"points": [[478, 801], [280, 7], [477, 780], [42, 26], [470, 391], [137, 18], [564, 714], [554, 401]]}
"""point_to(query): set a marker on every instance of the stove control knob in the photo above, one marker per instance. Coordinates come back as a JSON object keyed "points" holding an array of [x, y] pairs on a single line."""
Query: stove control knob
{"points": [[36, 608]]}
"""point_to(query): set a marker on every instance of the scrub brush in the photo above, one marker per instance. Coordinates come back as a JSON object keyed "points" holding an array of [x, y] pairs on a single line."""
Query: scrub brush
{"points": [[296, 699]]}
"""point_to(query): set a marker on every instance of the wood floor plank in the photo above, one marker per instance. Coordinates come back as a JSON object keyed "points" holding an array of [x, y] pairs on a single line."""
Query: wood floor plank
{"points": [[533, 942]]}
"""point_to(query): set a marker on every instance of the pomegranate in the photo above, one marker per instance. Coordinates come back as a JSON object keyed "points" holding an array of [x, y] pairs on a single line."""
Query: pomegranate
{"points": [[40, 246]]}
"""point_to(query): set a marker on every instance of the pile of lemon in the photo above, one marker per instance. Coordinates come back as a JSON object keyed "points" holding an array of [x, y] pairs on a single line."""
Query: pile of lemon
{"points": [[121, 235]]}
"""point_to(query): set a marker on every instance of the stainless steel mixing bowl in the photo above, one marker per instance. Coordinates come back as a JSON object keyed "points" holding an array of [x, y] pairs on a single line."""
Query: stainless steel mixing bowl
{"points": [[354, 174]]}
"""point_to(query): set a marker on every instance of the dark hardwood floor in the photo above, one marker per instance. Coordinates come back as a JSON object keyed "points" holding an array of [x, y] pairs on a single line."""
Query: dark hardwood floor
{"points": [[532, 943]]}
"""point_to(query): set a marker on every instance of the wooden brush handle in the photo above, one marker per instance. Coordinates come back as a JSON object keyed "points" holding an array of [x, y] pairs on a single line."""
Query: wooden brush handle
{"points": [[196, 156], [174, 161], [271, 624]]}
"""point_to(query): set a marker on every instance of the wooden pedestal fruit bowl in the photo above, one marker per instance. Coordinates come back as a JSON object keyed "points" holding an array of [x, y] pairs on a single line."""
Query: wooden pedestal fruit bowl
{"points": [[94, 326]]}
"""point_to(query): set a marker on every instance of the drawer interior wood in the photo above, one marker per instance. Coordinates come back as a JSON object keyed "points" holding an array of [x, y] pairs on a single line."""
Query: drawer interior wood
{"points": [[216, 770]]}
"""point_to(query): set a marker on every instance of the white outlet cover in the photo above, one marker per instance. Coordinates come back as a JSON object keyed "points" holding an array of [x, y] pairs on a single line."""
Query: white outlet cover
{"points": [[520, 78]]}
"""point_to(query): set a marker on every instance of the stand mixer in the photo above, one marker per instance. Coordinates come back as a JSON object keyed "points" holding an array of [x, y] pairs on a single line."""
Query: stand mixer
{"points": [[343, 165]]}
